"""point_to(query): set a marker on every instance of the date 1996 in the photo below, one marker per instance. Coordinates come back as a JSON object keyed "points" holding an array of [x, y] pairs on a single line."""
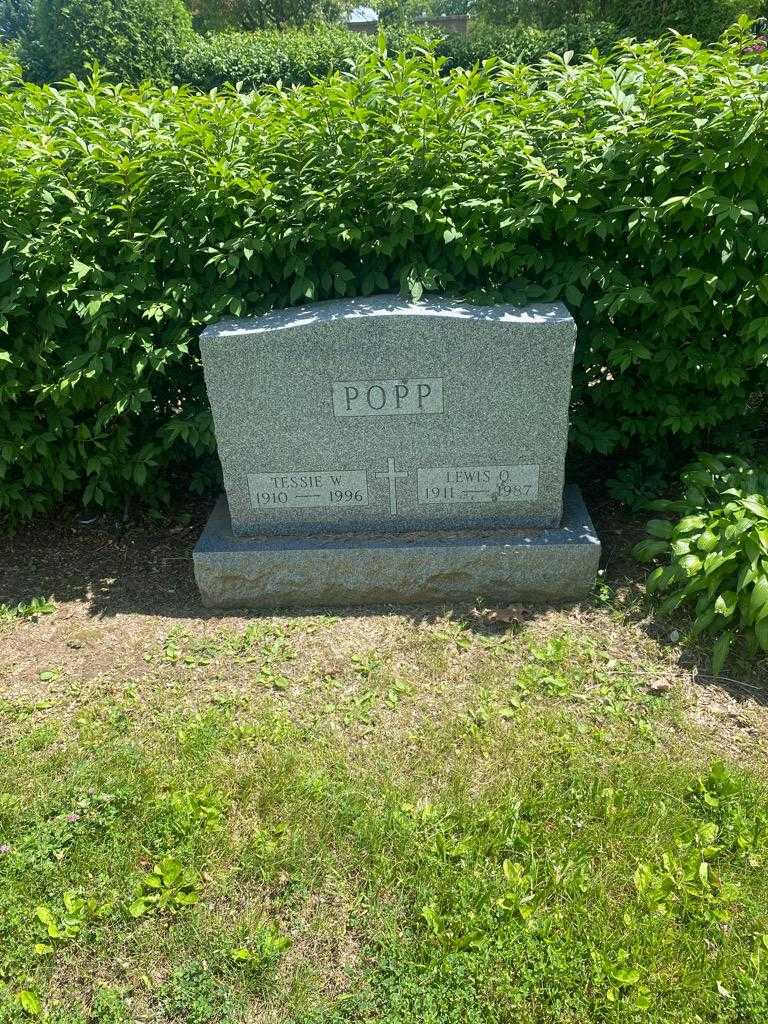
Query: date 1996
{"points": [[288, 499], [344, 489]]}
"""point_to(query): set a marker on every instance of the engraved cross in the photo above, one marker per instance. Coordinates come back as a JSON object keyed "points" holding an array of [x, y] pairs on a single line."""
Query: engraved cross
{"points": [[393, 477]]}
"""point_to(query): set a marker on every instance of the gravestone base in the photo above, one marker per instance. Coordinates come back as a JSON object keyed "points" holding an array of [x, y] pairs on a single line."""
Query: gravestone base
{"points": [[417, 568]]}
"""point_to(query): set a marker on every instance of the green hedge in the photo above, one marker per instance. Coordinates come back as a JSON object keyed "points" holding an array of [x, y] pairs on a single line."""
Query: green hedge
{"points": [[298, 56], [642, 19], [140, 39], [634, 189], [15, 18], [525, 44], [135, 39], [292, 56], [704, 19]]}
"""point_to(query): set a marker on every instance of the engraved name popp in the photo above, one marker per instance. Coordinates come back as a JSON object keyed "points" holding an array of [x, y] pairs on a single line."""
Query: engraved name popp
{"points": [[404, 397]]}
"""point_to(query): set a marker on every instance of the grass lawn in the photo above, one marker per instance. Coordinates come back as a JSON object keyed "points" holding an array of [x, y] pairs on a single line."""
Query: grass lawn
{"points": [[401, 816]]}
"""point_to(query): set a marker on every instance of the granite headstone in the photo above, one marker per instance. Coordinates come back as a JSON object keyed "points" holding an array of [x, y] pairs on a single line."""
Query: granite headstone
{"points": [[380, 450]]}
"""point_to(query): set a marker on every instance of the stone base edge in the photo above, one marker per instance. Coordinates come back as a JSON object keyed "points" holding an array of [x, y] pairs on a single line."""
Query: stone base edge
{"points": [[420, 568]]}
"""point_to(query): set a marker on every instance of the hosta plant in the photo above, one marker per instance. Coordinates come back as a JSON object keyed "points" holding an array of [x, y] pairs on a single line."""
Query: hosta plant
{"points": [[713, 543]]}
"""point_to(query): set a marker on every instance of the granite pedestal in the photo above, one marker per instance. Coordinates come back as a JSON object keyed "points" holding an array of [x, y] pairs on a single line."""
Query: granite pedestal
{"points": [[556, 565]]}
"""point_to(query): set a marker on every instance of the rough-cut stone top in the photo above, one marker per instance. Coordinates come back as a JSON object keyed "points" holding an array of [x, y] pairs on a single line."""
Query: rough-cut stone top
{"points": [[384, 306], [377, 414]]}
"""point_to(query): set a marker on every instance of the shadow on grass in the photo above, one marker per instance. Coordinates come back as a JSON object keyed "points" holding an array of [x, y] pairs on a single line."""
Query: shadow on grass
{"points": [[145, 568]]}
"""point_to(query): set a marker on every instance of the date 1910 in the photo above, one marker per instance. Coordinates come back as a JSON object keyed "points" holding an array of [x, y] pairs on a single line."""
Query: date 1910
{"points": [[343, 489]]}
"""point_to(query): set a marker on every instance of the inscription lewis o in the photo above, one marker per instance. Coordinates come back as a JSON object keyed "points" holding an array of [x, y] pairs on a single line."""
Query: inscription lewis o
{"points": [[418, 396], [451, 484]]}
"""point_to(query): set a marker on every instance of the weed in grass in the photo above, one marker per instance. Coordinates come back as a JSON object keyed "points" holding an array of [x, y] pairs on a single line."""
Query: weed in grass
{"points": [[316, 623], [15, 709], [263, 855], [41, 737], [189, 811], [275, 652], [260, 642], [109, 1007], [50, 675], [168, 886], [29, 1002], [604, 595], [30, 610], [397, 692], [684, 884], [454, 635], [500, 646], [737, 824], [365, 665], [359, 708], [61, 924], [181, 647], [555, 652], [618, 978], [262, 954]]}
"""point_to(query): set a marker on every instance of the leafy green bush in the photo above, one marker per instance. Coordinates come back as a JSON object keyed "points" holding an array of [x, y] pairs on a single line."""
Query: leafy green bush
{"points": [[524, 44], [647, 19], [296, 57], [716, 547], [17, 26], [632, 187], [247, 15], [293, 57], [136, 39], [15, 18], [540, 13], [10, 70], [642, 19]]}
